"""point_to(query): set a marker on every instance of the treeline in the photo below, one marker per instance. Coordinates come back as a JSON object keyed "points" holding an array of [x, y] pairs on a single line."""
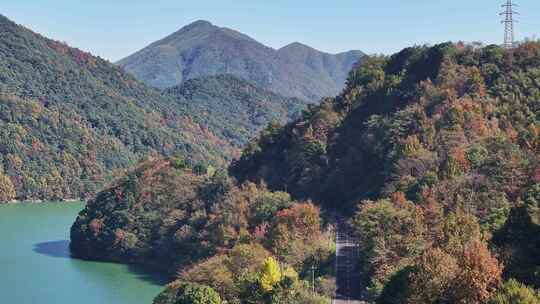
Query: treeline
{"points": [[221, 240], [437, 152]]}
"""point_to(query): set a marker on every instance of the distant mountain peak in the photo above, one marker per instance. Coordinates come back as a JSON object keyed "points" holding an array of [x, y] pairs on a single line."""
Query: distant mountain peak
{"points": [[203, 49], [196, 26], [199, 23], [296, 45], [200, 31], [299, 47]]}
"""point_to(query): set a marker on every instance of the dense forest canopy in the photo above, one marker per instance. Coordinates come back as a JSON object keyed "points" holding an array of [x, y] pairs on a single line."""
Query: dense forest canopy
{"points": [[432, 154], [71, 122], [452, 115], [218, 238], [436, 152]]}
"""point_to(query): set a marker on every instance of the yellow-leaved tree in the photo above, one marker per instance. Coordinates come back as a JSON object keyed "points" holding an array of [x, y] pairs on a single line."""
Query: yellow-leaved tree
{"points": [[270, 275]]}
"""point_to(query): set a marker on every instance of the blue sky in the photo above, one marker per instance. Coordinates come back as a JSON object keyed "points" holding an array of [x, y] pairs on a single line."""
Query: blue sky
{"points": [[114, 29]]}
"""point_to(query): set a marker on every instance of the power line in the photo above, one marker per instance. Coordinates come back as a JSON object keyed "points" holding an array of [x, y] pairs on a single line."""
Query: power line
{"points": [[509, 38]]}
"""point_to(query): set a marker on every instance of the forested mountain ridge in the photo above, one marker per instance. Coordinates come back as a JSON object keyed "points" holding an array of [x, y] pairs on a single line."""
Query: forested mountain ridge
{"points": [[438, 151], [70, 121], [128, 118], [234, 108], [202, 49], [358, 143], [432, 154]]}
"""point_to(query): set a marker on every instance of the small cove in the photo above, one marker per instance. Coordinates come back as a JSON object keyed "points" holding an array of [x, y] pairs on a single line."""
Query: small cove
{"points": [[36, 267]]}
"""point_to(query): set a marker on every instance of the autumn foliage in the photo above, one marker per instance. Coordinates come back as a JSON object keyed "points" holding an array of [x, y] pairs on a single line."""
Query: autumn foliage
{"points": [[199, 226], [435, 151]]}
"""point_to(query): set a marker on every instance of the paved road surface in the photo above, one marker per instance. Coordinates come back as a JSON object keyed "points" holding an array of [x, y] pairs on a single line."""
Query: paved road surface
{"points": [[347, 278]]}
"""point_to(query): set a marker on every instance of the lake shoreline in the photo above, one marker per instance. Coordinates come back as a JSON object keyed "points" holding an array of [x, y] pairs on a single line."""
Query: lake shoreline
{"points": [[36, 236], [63, 200]]}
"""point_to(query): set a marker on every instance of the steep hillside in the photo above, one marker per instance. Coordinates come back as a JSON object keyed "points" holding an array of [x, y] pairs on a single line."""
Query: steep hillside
{"points": [[235, 109], [202, 49], [69, 120], [439, 102], [438, 150]]}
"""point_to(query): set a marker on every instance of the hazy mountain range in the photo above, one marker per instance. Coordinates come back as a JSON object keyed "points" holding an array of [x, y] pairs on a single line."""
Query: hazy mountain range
{"points": [[203, 49]]}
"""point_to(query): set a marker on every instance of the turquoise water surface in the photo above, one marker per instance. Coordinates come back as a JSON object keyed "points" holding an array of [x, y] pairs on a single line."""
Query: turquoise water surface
{"points": [[35, 266]]}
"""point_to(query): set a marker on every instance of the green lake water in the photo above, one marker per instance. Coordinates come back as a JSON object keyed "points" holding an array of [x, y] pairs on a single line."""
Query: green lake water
{"points": [[35, 266]]}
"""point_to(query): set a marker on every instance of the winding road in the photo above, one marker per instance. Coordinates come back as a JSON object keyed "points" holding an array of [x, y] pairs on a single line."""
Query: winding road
{"points": [[347, 277]]}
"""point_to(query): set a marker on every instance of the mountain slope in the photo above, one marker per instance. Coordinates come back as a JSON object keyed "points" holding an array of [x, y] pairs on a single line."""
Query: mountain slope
{"points": [[202, 49], [434, 155], [407, 121], [334, 68], [436, 148], [233, 108], [70, 120]]}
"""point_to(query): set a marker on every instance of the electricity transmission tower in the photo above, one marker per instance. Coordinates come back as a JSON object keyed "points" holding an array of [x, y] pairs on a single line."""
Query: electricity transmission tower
{"points": [[509, 23]]}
